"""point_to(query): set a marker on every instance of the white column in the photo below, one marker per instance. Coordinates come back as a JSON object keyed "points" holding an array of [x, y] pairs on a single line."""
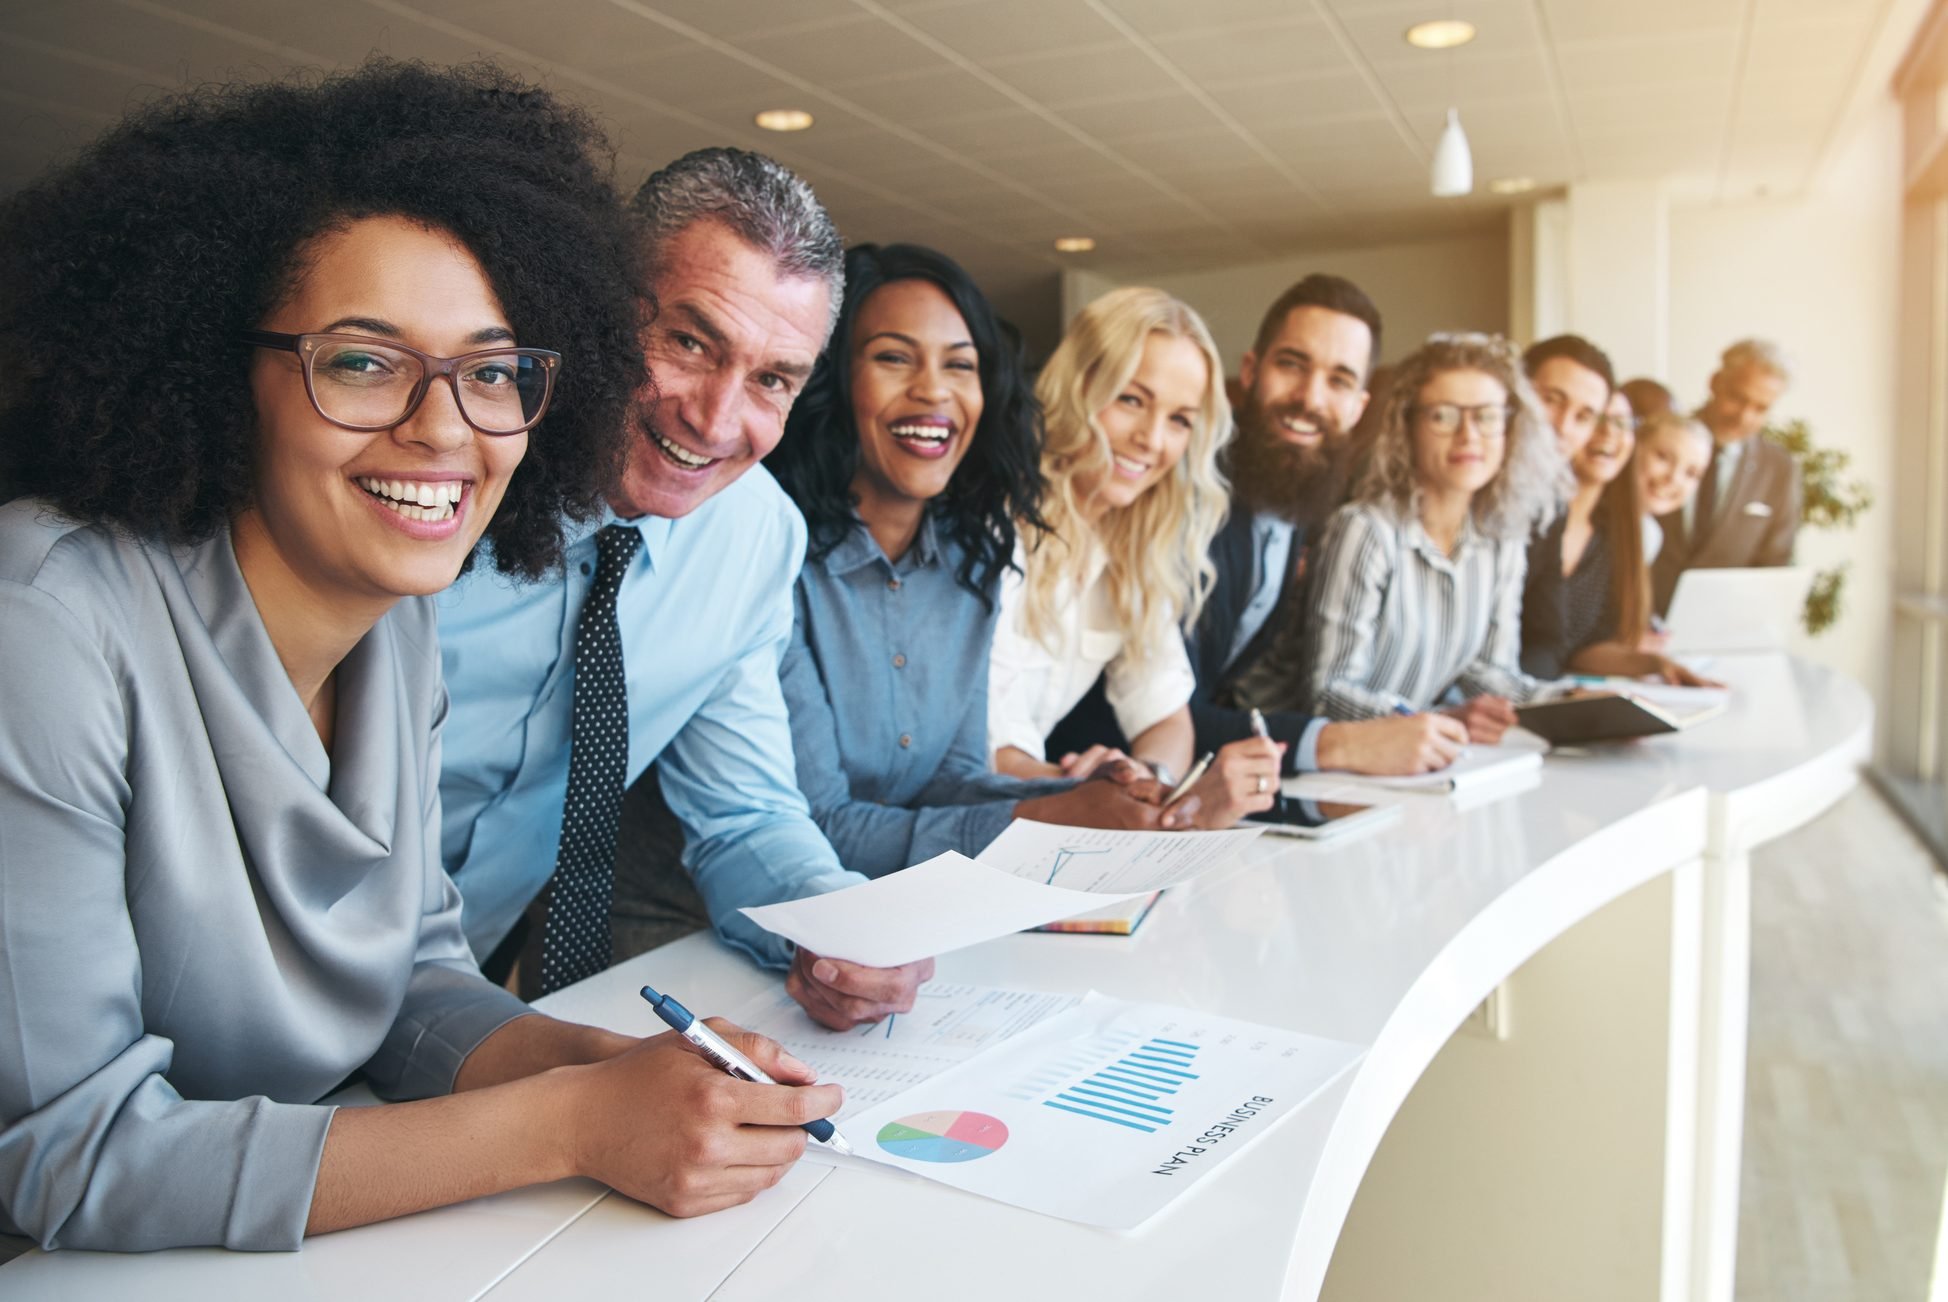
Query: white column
{"points": [[1617, 284]]}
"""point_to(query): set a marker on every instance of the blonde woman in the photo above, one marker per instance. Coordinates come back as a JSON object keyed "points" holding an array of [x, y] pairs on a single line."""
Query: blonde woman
{"points": [[1416, 588], [1134, 411]]}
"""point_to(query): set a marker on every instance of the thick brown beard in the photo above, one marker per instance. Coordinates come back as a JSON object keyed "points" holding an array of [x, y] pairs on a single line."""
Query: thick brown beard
{"points": [[1295, 483]]}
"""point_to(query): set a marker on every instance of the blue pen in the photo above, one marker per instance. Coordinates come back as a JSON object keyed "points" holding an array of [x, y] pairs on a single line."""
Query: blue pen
{"points": [[720, 1051], [1405, 709]]}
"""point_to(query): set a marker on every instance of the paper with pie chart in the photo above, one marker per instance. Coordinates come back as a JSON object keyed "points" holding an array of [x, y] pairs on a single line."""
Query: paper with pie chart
{"points": [[1104, 1114]]}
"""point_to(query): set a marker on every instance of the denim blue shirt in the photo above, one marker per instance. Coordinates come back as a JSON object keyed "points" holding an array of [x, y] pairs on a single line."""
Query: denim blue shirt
{"points": [[887, 680], [705, 612]]}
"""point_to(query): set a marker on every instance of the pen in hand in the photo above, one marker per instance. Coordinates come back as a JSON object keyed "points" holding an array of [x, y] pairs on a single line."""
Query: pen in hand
{"points": [[1182, 789], [725, 1055]]}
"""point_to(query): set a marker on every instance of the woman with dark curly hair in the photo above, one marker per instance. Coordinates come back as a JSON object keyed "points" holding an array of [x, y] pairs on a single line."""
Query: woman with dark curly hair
{"points": [[280, 356], [913, 451]]}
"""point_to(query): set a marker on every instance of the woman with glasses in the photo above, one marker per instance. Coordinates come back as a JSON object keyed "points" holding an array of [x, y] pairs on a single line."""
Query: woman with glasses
{"points": [[1415, 593], [1134, 414], [279, 358], [1590, 612]]}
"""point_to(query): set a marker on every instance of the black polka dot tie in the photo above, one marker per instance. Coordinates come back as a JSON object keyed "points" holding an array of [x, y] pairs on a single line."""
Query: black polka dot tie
{"points": [[575, 941]]}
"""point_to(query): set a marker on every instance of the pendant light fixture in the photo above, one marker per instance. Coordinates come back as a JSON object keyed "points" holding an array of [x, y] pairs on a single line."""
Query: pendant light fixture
{"points": [[1453, 173], [1454, 162]]}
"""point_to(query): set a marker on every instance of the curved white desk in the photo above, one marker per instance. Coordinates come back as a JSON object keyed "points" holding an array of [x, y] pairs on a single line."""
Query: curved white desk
{"points": [[1391, 942]]}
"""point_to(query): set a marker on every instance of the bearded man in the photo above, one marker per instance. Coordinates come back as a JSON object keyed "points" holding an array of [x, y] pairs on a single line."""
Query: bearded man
{"points": [[1301, 390]]}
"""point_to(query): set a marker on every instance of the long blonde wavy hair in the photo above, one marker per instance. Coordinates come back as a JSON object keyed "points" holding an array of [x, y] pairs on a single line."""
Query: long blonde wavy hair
{"points": [[1534, 480], [1159, 567]]}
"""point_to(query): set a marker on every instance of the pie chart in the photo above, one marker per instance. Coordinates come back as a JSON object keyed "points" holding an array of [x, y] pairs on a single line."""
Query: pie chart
{"points": [[943, 1136]]}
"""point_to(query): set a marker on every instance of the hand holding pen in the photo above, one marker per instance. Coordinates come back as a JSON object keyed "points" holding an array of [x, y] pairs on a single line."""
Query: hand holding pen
{"points": [[660, 1124], [728, 1058]]}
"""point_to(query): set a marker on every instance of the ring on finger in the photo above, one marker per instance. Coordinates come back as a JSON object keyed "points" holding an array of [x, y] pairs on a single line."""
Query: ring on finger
{"points": [[1264, 784]]}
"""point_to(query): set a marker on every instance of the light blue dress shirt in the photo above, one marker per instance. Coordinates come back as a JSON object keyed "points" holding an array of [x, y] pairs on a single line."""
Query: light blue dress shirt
{"points": [[887, 681], [1272, 550], [705, 611]]}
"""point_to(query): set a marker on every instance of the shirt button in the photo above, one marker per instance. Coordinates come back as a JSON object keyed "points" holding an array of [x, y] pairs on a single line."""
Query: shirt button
{"points": [[906, 739], [892, 585], [587, 568], [899, 662]]}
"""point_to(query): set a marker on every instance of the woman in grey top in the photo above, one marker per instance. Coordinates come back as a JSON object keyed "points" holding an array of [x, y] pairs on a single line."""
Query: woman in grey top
{"points": [[1416, 587], [267, 390]]}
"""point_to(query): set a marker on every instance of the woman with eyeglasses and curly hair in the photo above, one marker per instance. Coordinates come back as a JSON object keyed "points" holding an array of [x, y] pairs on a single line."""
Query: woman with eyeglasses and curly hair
{"points": [[1415, 591], [1134, 415], [278, 358]]}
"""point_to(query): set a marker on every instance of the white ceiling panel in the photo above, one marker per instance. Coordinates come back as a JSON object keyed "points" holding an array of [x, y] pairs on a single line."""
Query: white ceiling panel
{"points": [[1157, 112], [1192, 132], [986, 30], [1155, 18], [1266, 105], [1502, 27], [1604, 20], [1295, 45], [1080, 73], [1648, 61]]}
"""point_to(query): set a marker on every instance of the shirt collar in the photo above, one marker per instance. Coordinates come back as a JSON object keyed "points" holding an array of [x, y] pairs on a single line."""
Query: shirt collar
{"points": [[1424, 543], [655, 530], [859, 548]]}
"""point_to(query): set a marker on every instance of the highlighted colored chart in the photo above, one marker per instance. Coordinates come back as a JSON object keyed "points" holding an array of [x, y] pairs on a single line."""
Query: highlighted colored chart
{"points": [[1134, 1091], [943, 1136]]}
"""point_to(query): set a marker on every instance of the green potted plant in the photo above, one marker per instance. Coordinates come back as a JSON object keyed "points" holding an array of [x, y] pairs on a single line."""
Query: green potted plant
{"points": [[1831, 501]]}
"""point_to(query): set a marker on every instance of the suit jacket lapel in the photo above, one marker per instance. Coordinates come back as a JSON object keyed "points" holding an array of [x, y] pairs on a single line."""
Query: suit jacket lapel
{"points": [[1731, 503]]}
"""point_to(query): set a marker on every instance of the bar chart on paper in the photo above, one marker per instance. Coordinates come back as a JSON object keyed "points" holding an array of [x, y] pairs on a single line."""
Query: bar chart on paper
{"points": [[1135, 1090], [1104, 1113]]}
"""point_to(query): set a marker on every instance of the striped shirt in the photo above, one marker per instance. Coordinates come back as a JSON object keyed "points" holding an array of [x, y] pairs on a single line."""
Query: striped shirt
{"points": [[1393, 623]]}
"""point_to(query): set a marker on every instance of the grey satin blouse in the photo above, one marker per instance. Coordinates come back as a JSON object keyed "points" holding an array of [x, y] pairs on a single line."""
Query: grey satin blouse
{"points": [[206, 923]]}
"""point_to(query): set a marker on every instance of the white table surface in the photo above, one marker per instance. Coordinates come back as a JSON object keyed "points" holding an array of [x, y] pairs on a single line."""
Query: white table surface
{"points": [[1388, 941]]}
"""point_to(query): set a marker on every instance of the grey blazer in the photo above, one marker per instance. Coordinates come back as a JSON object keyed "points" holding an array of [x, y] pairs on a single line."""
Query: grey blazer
{"points": [[1753, 526], [206, 924]]}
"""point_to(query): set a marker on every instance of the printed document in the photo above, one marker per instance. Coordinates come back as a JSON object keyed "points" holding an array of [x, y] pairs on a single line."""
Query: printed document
{"points": [[1100, 859], [950, 1023], [1103, 1114]]}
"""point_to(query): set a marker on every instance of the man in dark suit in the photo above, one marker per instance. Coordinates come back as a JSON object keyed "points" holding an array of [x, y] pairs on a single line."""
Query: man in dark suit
{"points": [[1300, 391], [1746, 510]]}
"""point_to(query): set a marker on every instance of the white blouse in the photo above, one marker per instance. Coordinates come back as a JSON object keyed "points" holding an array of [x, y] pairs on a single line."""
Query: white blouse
{"points": [[1031, 687]]}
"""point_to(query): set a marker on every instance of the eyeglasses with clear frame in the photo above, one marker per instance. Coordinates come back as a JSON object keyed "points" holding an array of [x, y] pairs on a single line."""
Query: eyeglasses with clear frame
{"points": [[1619, 424], [369, 385], [1490, 419]]}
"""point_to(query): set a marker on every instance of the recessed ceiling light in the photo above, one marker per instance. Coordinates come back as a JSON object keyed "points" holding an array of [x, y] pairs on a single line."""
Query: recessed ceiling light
{"points": [[1074, 244], [1512, 184], [784, 119], [1441, 34]]}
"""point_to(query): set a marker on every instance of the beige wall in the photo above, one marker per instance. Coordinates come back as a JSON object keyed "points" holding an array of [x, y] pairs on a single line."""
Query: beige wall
{"points": [[1459, 283], [1819, 274]]}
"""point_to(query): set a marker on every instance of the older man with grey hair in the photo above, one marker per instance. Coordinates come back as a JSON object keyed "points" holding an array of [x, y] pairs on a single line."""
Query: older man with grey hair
{"points": [[1746, 510], [662, 640]]}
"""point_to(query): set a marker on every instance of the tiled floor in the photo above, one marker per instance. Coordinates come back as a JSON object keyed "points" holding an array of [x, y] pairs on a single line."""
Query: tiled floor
{"points": [[1846, 1131]]}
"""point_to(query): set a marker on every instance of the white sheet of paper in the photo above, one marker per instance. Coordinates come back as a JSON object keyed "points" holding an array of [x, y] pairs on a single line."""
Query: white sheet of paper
{"points": [[1474, 766], [1669, 696], [950, 1023], [947, 903], [1100, 859], [1103, 1114]]}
